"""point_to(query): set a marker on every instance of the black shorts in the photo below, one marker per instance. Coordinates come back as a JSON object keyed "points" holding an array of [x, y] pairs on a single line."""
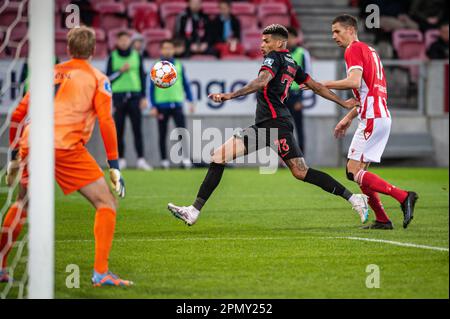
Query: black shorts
{"points": [[277, 134]]}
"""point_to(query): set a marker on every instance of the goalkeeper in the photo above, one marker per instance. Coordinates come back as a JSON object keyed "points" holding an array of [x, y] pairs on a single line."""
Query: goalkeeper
{"points": [[82, 95]]}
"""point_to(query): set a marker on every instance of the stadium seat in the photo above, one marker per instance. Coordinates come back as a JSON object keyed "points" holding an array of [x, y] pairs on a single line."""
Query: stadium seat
{"points": [[112, 15], [430, 37], [405, 35], [267, 9], [101, 46], [9, 14], [251, 40], [112, 35], [238, 8], [153, 38], [169, 12], [248, 22], [61, 42], [275, 19], [144, 15], [211, 9], [19, 31]]}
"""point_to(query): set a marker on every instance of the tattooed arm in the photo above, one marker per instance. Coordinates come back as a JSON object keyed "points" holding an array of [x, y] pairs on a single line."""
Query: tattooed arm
{"points": [[260, 82]]}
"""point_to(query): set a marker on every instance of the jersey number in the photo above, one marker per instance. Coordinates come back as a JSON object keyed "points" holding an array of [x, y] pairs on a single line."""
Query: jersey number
{"points": [[286, 79], [378, 64]]}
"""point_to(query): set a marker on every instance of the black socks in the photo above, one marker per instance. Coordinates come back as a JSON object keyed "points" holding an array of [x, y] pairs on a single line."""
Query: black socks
{"points": [[327, 183], [212, 179]]}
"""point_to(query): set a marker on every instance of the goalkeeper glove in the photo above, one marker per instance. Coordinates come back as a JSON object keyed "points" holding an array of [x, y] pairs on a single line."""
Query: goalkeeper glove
{"points": [[116, 178], [13, 168]]}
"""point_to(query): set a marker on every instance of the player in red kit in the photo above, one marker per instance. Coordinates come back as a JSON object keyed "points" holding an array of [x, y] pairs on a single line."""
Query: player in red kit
{"points": [[367, 80]]}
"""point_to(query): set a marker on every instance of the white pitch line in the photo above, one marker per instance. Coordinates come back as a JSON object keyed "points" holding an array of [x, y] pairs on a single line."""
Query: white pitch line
{"points": [[397, 243], [260, 238]]}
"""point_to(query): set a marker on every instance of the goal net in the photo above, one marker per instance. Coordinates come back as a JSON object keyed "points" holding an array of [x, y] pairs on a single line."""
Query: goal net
{"points": [[26, 64]]}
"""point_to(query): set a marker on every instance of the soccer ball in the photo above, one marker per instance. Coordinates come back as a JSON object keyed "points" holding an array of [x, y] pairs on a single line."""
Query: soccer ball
{"points": [[163, 74]]}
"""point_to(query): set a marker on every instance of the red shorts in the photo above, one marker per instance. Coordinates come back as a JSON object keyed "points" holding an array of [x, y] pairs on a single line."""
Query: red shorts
{"points": [[74, 169]]}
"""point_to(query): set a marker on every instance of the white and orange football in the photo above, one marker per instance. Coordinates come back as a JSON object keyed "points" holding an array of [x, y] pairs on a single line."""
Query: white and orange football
{"points": [[163, 74]]}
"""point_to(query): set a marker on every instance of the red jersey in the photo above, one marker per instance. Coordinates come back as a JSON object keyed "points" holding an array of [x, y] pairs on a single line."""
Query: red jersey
{"points": [[372, 93]]}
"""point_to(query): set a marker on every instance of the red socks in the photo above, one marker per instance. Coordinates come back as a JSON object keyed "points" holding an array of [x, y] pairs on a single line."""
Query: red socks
{"points": [[375, 204], [375, 183], [105, 222], [12, 225]]}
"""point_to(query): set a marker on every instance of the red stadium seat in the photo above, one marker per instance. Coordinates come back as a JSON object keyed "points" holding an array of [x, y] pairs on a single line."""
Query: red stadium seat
{"points": [[128, 2], [144, 15], [153, 38], [11, 13], [267, 9], [101, 46], [248, 22], [430, 37], [112, 36], [211, 8], [169, 12], [275, 19], [251, 40], [401, 36], [112, 15], [238, 8], [61, 42]]}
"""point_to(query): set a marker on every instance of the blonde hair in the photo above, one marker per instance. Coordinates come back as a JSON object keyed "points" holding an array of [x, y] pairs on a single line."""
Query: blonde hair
{"points": [[81, 42]]}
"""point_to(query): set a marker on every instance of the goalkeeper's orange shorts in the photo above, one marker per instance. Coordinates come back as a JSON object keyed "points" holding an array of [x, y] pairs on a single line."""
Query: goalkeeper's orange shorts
{"points": [[74, 169]]}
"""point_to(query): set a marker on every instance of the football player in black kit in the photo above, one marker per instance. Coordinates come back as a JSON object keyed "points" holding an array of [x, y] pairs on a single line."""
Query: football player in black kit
{"points": [[271, 86]]}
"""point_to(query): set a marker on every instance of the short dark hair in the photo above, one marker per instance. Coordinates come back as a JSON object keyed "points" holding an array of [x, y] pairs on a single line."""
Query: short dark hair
{"points": [[346, 20], [293, 31], [122, 33], [166, 41], [276, 30]]}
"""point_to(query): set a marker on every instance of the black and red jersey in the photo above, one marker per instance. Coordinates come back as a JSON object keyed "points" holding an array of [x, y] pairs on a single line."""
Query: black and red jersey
{"points": [[270, 100]]}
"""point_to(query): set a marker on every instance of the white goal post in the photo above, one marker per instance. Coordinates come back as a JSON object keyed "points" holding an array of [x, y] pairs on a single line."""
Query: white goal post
{"points": [[41, 162]]}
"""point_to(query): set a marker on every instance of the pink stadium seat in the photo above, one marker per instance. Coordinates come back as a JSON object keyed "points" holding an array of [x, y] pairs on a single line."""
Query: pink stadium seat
{"points": [[144, 15], [267, 9], [101, 46], [279, 19], [169, 12], [211, 8], [238, 8], [248, 22], [112, 35], [153, 39], [61, 42], [401, 36], [430, 37], [128, 2], [112, 15], [251, 40]]}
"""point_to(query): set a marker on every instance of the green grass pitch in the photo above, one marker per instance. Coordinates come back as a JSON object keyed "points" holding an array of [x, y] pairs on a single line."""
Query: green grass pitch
{"points": [[259, 236]]}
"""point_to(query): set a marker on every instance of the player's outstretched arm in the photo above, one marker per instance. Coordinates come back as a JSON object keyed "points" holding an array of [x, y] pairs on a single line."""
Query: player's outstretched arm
{"points": [[259, 83], [324, 92], [352, 81]]}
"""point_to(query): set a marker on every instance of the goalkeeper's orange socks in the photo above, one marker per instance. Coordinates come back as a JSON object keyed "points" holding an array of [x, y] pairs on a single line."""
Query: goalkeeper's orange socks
{"points": [[12, 225], [105, 222]]}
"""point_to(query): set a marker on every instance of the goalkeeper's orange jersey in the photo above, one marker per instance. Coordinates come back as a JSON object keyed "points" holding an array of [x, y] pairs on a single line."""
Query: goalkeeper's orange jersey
{"points": [[82, 94]]}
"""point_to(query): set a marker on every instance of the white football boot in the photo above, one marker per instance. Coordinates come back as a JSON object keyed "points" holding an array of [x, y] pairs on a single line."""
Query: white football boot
{"points": [[360, 204], [122, 163], [188, 214], [165, 164], [142, 164]]}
